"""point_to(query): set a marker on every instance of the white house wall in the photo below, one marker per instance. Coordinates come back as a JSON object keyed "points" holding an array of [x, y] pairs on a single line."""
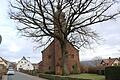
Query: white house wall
{"points": [[28, 66], [25, 65], [116, 62]]}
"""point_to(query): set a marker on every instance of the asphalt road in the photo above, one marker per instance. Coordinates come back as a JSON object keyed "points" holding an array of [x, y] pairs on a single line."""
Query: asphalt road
{"points": [[22, 76]]}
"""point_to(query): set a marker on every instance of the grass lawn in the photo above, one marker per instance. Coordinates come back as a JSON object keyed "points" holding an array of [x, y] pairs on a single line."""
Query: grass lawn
{"points": [[89, 76]]}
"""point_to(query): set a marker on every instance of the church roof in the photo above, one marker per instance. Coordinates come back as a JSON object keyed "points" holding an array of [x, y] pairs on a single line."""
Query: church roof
{"points": [[53, 42]]}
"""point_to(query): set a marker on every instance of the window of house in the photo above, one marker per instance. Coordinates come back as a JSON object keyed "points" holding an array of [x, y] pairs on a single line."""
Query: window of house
{"points": [[21, 62], [28, 65], [20, 65]]}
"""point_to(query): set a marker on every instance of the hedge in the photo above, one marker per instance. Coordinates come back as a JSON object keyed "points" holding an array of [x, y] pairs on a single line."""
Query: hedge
{"points": [[50, 76], [58, 77], [112, 73]]}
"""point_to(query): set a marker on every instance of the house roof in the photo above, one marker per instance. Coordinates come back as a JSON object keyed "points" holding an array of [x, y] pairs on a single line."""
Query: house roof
{"points": [[23, 58], [48, 46], [4, 60], [109, 61]]}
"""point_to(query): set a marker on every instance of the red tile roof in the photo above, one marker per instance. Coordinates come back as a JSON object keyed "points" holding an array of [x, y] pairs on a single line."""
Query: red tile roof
{"points": [[109, 61]]}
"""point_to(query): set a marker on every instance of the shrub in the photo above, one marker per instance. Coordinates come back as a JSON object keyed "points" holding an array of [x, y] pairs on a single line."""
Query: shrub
{"points": [[58, 77], [92, 70], [51, 72], [112, 73], [30, 72]]}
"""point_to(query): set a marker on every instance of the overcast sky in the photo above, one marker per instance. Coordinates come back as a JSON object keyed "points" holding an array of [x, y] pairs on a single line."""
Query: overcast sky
{"points": [[14, 47]]}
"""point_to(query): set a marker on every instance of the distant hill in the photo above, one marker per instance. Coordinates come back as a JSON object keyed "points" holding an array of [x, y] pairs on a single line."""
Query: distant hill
{"points": [[91, 63]]}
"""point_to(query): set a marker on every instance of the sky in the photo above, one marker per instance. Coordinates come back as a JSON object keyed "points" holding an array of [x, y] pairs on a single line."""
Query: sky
{"points": [[14, 47]]}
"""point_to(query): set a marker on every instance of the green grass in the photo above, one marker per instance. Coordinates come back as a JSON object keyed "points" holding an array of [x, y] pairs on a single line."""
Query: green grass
{"points": [[89, 76]]}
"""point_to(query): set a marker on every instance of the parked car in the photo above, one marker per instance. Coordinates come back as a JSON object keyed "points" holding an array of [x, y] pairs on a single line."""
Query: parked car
{"points": [[10, 71]]}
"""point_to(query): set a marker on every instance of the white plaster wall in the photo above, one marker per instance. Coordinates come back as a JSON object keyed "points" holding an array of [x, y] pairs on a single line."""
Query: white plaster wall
{"points": [[24, 64]]}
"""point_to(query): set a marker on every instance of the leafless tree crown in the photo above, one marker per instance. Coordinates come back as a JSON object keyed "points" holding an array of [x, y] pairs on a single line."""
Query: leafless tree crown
{"points": [[62, 19]]}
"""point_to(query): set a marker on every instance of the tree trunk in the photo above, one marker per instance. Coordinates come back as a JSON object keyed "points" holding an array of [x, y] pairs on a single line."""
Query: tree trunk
{"points": [[64, 58]]}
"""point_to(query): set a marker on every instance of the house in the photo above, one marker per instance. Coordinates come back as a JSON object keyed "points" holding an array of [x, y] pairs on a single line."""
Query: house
{"points": [[7, 64], [36, 66], [108, 62], [3, 62], [3, 66], [12, 64], [24, 64]]}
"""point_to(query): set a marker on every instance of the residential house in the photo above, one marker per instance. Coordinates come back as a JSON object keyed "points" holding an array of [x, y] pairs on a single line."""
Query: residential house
{"points": [[12, 64], [3, 66], [36, 66], [108, 62], [7, 64], [3, 62], [24, 64]]}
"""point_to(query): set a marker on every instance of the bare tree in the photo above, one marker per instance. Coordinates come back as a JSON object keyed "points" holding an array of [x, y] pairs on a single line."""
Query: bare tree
{"points": [[64, 20], [97, 60]]}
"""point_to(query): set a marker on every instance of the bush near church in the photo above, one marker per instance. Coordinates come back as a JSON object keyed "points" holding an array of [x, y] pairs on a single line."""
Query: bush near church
{"points": [[50, 76], [58, 77], [112, 73]]}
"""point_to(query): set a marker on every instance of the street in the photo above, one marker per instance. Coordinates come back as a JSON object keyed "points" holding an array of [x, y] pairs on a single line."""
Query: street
{"points": [[22, 76]]}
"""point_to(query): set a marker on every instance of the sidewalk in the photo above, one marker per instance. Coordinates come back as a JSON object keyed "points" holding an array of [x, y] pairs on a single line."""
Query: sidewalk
{"points": [[4, 77]]}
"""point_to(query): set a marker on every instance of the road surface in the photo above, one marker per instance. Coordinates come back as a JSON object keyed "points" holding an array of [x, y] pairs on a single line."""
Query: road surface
{"points": [[22, 76]]}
